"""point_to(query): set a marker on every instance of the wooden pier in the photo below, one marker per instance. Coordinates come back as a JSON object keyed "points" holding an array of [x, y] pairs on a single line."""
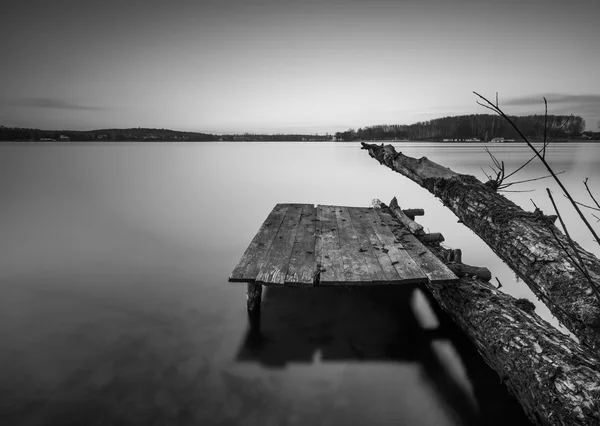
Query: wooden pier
{"points": [[306, 245], [554, 377]]}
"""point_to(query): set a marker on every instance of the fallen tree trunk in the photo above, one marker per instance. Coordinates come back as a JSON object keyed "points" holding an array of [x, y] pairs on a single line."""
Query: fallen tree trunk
{"points": [[553, 378], [528, 242]]}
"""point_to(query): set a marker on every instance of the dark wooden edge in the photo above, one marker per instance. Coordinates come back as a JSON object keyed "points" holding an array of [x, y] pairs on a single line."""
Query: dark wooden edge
{"points": [[372, 283]]}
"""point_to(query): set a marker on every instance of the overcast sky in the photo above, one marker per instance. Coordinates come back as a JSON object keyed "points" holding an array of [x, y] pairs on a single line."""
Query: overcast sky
{"points": [[285, 66]]}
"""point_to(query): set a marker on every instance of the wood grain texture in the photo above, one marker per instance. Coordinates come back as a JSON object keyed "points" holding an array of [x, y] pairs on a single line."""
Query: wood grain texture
{"points": [[300, 245], [331, 267], [406, 267], [378, 262], [247, 268], [273, 267], [435, 270], [302, 266], [356, 270]]}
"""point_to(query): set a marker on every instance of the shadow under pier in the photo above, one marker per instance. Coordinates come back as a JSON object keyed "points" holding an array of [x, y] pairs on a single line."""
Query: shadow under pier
{"points": [[377, 324]]}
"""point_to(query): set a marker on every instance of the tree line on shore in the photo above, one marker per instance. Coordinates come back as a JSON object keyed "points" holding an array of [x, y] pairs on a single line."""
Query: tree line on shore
{"points": [[144, 135], [483, 127]]}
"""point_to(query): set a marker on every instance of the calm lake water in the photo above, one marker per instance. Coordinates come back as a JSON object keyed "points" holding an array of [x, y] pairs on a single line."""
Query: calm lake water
{"points": [[115, 306]]}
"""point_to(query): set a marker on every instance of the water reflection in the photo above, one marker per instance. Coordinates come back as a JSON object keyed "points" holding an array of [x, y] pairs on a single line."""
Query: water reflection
{"points": [[115, 306], [375, 325]]}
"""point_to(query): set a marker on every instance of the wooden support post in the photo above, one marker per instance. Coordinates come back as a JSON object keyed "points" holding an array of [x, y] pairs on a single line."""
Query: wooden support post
{"points": [[411, 213], [254, 296], [433, 237]]}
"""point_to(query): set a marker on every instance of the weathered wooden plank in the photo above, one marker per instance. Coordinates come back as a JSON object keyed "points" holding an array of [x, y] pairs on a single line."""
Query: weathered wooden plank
{"points": [[406, 267], [273, 268], [247, 268], [329, 260], [435, 269], [371, 250], [381, 252], [355, 267], [302, 266]]}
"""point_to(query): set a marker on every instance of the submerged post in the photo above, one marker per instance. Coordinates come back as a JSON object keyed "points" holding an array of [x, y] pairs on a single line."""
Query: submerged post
{"points": [[254, 296]]}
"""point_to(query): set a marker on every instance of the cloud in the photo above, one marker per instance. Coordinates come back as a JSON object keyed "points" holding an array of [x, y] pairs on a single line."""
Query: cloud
{"points": [[555, 99], [586, 106], [56, 103]]}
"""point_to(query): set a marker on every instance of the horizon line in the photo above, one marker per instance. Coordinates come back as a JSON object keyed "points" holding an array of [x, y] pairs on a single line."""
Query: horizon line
{"points": [[217, 133]]}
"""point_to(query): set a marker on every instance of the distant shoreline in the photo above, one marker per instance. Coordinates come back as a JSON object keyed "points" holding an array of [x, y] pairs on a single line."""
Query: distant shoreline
{"points": [[474, 128], [109, 141]]}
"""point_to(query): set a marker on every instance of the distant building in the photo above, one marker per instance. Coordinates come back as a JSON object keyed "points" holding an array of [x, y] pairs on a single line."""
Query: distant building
{"points": [[460, 140], [64, 138]]}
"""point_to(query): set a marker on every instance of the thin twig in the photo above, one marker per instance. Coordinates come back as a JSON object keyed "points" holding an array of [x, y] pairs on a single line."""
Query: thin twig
{"points": [[590, 192], [520, 168], [499, 283], [506, 185], [561, 127], [485, 106], [492, 156], [488, 176], [542, 149], [500, 172], [512, 190], [587, 207], [545, 128]]}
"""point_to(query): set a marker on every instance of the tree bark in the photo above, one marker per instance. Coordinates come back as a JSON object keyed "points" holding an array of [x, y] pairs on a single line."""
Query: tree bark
{"points": [[528, 242], [555, 380]]}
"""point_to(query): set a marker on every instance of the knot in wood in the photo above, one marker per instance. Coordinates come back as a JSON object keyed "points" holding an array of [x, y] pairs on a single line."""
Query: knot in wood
{"points": [[525, 305], [492, 184]]}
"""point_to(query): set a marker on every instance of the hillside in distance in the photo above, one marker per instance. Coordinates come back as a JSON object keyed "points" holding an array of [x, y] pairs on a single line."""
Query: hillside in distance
{"points": [[142, 135], [135, 134]]}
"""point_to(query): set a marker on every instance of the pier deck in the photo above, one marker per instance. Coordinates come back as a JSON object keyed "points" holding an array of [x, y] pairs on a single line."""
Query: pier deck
{"points": [[304, 245]]}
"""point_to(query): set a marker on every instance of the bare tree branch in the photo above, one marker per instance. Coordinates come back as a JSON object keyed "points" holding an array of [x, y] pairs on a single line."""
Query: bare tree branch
{"points": [[556, 179]]}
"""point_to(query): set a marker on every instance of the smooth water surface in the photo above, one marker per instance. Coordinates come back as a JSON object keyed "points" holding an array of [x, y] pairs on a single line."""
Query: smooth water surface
{"points": [[115, 306]]}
